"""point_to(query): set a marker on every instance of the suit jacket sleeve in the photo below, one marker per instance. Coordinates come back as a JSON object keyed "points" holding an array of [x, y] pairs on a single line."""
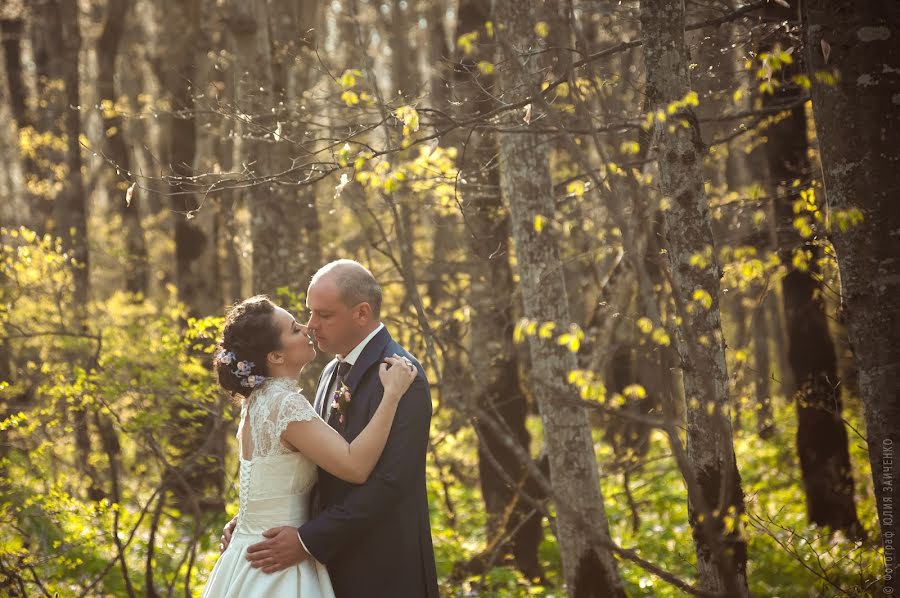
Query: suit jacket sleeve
{"points": [[396, 474]]}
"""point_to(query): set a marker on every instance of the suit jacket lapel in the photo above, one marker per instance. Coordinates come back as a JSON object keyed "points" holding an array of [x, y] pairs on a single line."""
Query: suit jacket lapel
{"points": [[369, 356], [324, 383]]}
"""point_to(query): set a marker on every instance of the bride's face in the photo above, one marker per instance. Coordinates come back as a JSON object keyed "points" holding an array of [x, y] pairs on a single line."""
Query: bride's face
{"points": [[297, 348]]}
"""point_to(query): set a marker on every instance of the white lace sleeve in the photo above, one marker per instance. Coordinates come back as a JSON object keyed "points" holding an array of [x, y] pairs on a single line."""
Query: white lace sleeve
{"points": [[277, 408], [292, 407]]}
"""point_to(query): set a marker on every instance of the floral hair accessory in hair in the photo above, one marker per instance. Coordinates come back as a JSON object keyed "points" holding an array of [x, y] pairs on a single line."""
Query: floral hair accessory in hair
{"points": [[252, 381], [225, 357], [243, 368]]}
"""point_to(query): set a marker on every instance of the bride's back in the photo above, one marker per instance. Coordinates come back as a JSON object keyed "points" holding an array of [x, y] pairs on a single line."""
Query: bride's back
{"points": [[274, 479]]}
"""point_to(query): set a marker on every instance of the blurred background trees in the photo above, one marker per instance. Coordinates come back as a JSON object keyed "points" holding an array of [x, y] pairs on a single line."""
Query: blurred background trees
{"points": [[646, 251]]}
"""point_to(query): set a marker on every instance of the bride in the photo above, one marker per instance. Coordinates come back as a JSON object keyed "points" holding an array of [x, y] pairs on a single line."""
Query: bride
{"points": [[281, 440]]}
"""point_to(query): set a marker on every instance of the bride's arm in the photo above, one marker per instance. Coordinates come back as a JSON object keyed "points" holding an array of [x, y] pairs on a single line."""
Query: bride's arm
{"points": [[353, 462]]}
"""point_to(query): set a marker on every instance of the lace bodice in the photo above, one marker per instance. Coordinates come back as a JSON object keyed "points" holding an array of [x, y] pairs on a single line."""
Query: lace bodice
{"points": [[273, 471], [268, 410]]}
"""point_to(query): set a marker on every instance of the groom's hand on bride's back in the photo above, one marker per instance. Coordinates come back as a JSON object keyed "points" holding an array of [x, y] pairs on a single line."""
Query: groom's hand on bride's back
{"points": [[281, 550]]}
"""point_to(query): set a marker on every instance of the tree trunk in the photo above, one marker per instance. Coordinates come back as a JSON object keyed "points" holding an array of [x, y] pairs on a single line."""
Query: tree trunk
{"points": [[196, 433], [588, 570], [284, 226], [15, 208], [821, 435], [700, 344], [118, 176], [196, 274], [403, 68], [12, 31], [513, 526], [56, 43], [294, 38], [765, 419], [446, 233], [854, 122]]}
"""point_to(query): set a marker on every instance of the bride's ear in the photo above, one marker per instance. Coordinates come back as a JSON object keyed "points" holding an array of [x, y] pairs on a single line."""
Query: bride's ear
{"points": [[275, 358]]}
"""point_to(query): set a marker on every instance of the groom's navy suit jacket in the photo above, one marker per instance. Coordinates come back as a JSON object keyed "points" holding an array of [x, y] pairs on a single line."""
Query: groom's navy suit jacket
{"points": [[375, 538]]}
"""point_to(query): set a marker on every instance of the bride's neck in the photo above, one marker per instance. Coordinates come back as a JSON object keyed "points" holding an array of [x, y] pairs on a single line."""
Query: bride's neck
{"points": [[285, 372]]}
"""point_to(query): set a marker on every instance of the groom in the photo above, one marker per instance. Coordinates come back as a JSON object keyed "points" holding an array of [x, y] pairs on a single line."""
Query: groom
{"points": [[375, 538]]}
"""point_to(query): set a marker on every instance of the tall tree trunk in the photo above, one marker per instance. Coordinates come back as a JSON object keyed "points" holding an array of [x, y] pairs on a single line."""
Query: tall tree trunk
{"points": [[404, 83], [821, 435], [854, 122], [588, 570], [222, 147], [294, 36], [196, 275], [278, 212], [762, 328], [700, 344], [403, 68], [119, 176], [197, 435], [446, 233], [12, 31], [513, 526], [56, 43], [15, 209]]}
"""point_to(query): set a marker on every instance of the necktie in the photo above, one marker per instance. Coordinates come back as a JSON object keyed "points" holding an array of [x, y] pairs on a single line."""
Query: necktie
{"points": [[342, 369]]}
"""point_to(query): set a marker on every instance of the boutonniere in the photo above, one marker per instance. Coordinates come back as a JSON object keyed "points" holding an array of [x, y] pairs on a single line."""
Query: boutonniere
{"points": [[340, 400]]}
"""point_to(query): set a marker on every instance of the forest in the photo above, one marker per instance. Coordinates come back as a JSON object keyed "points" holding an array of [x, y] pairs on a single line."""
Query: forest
{"points": [[644, 250]]}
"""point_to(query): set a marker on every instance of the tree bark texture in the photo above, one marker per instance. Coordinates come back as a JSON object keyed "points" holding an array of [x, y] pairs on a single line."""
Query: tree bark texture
{"points": [[699, 340], [525, 181], [15, 209], [56, 38], [196, 435], [495, 367], [118, 176], [284, 223], [856, 124], [821, 435]]}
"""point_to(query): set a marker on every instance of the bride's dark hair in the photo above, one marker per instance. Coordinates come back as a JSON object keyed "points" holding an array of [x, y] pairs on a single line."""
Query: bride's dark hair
{"points": [[248, 336]]}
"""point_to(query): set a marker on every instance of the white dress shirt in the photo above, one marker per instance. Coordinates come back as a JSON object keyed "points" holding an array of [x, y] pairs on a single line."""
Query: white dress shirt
{"points": [[350, 358]]}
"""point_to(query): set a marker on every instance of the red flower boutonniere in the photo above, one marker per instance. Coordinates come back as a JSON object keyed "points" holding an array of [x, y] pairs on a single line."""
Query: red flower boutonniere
{"points": [[340, 400]]}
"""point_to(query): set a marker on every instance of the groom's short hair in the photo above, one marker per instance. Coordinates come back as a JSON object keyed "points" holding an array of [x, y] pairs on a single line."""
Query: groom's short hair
{"points": [[355, 284]]}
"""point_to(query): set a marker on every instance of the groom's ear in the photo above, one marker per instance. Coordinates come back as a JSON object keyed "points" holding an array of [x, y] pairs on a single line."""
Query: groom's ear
{"points": [[363, 312]]}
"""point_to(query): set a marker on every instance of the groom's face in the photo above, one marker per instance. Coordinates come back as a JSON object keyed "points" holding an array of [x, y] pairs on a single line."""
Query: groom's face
{"points": [[337, 326]]}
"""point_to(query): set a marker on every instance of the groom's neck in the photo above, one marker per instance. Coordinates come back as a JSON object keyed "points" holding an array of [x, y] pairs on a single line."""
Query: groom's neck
{"points": [[362, 336]]}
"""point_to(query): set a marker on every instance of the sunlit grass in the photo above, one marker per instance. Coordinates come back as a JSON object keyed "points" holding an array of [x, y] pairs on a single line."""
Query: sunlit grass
{"points": [[787, 557]]}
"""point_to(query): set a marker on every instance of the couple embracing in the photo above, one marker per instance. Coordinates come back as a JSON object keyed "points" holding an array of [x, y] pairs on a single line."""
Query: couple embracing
{"points": [[332, 493]]}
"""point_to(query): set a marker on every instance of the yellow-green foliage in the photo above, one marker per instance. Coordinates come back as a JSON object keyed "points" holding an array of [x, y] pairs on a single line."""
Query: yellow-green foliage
{"points": [[124, 362], [134, 364]]}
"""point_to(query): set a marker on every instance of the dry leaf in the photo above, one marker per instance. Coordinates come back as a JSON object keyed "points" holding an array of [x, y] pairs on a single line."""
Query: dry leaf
{"points": [[826, 49], [527, 117], [782, 3], [129, 194]]}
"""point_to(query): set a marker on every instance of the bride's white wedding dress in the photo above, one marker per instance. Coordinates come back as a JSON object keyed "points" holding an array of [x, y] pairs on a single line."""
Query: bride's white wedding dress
{"points": [[275, 487]]}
